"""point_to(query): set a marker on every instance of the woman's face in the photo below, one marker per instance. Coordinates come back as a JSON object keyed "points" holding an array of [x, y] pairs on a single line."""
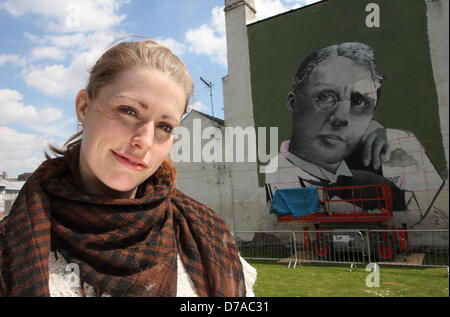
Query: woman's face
{"points": [[127, 130]]}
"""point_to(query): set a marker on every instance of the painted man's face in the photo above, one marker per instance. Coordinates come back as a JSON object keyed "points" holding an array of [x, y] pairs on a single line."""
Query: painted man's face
{"points": [[333, 110]]}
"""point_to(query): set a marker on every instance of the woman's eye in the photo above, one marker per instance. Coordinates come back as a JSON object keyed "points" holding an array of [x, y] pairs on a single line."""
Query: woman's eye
{"points": [[129, 111], [166, 128]]}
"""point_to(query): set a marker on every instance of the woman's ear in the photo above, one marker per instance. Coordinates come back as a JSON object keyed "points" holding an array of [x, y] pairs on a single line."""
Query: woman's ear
{"points": [[81, 105], [291, 100]]}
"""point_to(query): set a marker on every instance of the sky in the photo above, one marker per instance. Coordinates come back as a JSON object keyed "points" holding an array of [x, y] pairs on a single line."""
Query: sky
{"points": [[47, 46]]}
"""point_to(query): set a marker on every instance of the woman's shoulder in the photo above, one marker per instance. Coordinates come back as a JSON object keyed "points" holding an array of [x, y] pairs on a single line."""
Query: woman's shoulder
{"points": [[3, 291], [184, 201]]}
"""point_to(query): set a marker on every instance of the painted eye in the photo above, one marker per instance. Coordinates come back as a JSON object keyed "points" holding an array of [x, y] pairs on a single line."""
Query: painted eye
{"points": [[326, 100], [327, 97], [360, 103]]}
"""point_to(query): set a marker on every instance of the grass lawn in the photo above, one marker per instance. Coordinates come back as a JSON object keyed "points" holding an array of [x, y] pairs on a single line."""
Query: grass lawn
{"points": [[307, 280]]}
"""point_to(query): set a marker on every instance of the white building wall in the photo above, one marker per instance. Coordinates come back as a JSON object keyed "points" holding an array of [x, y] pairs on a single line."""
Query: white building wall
{"points": [[248, 198], [208, 183], [437, 22]]}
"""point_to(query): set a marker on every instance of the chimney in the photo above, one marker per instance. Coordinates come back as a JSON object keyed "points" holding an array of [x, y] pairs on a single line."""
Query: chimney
{"points": [[238, 104], [249, 6], [5, 176]]}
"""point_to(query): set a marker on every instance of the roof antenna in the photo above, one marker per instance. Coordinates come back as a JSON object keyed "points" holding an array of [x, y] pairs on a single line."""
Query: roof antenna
{"points": [[210, 85]]}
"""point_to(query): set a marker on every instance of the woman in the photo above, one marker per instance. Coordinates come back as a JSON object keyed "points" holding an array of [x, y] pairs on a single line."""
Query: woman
{"points": [[107, 207]]}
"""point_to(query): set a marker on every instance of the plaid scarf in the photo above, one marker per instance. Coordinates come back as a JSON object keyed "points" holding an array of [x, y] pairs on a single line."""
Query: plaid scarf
{"points": [[123, 247]]}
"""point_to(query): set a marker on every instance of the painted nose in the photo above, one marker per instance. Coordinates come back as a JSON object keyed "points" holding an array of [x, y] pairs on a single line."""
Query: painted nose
{"points": [[144, 136], [339, 118]]}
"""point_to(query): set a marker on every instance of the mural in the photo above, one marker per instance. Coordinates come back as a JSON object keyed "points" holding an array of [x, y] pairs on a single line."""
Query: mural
{"points": [[336, 144], [357, 112]]}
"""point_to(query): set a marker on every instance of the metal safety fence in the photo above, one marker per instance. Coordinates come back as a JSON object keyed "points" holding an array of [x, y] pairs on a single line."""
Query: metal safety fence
{"points": [[425, 248], [267, 245], [409, 247]]}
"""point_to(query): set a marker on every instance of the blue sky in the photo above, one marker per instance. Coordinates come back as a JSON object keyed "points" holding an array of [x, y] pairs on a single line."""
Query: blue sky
{"points": [[46, 47]]}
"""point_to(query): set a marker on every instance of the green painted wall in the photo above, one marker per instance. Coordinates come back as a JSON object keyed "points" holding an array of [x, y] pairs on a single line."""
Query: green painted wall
{"points": [[408, 99]]}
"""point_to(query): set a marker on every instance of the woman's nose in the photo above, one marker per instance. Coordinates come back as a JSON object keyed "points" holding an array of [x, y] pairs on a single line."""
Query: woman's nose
{"points": [[144, 136]]}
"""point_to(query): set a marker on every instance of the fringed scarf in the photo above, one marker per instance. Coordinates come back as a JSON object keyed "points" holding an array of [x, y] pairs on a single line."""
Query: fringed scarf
{"points": [[123, 247]]}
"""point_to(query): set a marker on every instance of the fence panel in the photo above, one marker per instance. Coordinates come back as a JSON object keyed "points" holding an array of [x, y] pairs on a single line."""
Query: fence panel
{"points": [[330, 246], [427, 248], [267, 245]]}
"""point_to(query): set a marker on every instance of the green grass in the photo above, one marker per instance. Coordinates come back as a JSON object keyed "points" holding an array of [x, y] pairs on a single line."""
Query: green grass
{"points": [[277, 280]]}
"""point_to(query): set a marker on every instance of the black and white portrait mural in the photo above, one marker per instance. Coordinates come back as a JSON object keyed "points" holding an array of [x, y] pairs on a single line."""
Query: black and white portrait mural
{"points": [[357, 113], [335, 141]]}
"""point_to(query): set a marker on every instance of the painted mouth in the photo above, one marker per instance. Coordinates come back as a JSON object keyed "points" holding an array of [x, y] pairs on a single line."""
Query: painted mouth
{"points": [[130, 161], [332, 138]]}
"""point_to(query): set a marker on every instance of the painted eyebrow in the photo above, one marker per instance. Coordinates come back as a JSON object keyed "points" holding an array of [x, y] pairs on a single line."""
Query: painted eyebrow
{"points": [[365, 96], [145, 106], [328, 89], [333, 88]]}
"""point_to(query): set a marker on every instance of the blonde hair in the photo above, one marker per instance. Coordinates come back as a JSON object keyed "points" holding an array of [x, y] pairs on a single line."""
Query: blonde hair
{"points": [[123, 56], [147, 53]]}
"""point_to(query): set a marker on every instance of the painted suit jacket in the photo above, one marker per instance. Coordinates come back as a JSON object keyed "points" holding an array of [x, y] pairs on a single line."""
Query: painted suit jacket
{"points": [[406, 166]]}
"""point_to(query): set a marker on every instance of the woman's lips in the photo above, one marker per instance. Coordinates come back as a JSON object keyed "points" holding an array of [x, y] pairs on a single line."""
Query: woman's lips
{"points": [[130, 161]]}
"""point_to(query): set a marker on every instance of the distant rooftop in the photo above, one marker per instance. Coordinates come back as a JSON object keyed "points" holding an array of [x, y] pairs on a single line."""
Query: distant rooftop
{"points": [[15, 185], [215, 119], [11, 184]]}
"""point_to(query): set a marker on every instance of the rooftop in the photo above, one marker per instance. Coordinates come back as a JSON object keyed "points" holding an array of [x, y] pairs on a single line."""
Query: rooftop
{"points": [[11, 185]]}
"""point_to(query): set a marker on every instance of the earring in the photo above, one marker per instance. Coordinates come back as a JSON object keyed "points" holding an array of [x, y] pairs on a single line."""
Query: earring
{"points": [[80, 123]]}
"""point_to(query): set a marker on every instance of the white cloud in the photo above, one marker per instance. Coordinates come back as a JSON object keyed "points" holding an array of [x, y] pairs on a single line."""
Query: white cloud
{"points": [[12, 58], [69, 15], [301, 2], [50, 80], [60, 41], [21, 152], [210, 38], [197, 105], [268, 8], [58, 80], [15, 111], [48, 120], [218, 19], [47, 52]]}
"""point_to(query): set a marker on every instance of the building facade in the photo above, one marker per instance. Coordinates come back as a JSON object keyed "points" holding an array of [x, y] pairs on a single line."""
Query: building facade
{"points": [[410, 102], [9, 189]]}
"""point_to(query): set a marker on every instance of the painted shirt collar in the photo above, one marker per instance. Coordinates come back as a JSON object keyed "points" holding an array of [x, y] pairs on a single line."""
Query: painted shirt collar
{"points": [[313, 169]]}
